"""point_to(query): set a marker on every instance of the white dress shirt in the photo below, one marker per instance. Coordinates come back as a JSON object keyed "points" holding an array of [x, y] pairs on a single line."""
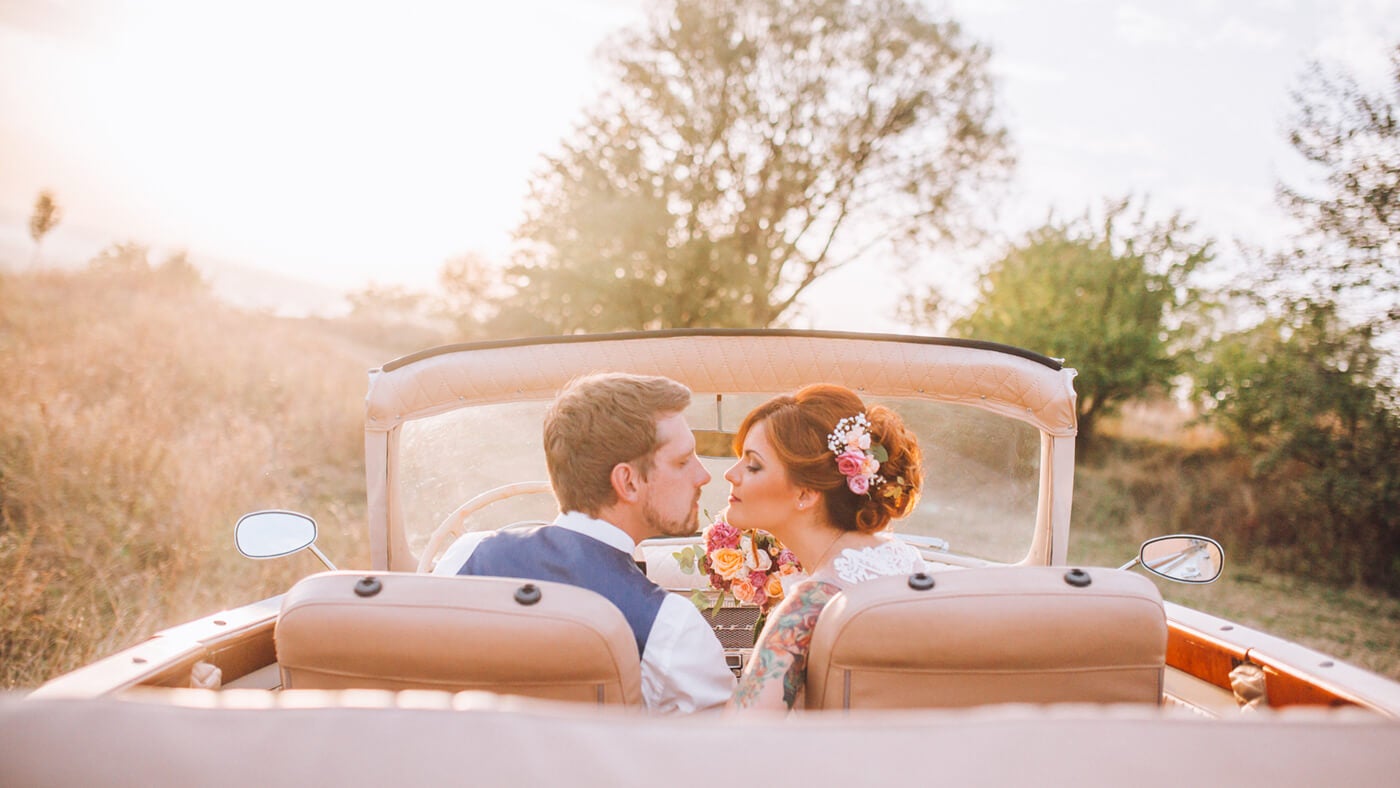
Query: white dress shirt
{"points": [[683, 667]]}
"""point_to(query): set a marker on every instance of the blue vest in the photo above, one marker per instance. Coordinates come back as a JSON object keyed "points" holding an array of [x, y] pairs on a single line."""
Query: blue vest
{"points": [[557, 554]]}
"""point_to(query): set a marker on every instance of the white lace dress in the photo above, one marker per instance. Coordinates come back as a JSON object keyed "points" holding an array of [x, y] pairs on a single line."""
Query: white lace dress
{"points": [[890, 558]]}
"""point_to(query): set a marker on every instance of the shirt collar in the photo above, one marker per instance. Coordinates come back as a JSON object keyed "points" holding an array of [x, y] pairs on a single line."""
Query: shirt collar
{"points": [[603, 531]]}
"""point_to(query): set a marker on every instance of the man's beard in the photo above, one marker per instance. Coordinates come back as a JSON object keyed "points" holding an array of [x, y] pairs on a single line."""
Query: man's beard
{"points": [[662, 526]]}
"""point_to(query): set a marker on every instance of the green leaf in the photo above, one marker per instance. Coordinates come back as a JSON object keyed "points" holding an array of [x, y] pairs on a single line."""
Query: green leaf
{"points": [[701, 602], [880, 454], [685, 559], [758, 625]]}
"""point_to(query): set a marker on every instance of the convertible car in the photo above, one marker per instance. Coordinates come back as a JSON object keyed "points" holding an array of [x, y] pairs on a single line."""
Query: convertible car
{"points": [[1002, 663]]}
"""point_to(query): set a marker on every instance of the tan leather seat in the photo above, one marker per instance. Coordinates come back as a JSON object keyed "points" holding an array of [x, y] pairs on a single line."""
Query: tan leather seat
{"points": [[1001, 635], [398, 630]]}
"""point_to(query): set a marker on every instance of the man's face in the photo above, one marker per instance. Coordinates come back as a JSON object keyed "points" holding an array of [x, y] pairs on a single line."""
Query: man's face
{"points": [[671, 495]]}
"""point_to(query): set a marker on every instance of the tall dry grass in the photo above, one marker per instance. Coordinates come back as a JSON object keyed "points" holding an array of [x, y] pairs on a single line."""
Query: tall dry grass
{"points": [[140, 418]]}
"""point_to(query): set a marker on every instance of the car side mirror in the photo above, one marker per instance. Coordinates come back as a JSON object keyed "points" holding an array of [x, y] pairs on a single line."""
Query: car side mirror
{"points": [[274, 533], [1185, 558]]}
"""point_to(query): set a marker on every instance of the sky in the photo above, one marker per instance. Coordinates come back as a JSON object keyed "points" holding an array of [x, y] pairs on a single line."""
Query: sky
{"points": [[343, 143]]}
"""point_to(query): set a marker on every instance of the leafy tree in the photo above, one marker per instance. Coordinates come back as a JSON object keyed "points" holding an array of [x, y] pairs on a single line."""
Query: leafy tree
{"points": [[386, 303], [745, 149], [130, 262], [122, 259], [45, 217], [1104, 299], [1308, 395], [474, 298], [1299, 395], [1352, 224]]}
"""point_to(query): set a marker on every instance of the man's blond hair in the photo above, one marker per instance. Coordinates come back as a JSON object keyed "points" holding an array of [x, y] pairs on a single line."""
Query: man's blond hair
{"points": [[598, 421]]}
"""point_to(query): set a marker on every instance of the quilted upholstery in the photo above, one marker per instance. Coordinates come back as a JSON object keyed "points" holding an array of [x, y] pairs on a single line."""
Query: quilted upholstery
{"points": [[1013, 386]]}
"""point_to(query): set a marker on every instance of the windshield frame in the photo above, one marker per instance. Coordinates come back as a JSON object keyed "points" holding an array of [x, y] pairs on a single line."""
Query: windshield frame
{"points": [[1011, 383]]}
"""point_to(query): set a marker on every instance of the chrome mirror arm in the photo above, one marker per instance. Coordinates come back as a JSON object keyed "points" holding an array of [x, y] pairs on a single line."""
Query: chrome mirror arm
{"points": [[317, 552]]}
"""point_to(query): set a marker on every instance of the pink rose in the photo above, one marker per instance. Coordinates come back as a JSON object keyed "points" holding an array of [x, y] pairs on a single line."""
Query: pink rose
{"points": [[787, 558], [721, 534], [759, 581], [858, 484], [850, 463], [871, 466]]}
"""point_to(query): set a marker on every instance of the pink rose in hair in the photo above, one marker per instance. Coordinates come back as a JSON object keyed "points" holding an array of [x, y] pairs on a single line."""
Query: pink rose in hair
{"points": [[850, 463], [859, 485]]}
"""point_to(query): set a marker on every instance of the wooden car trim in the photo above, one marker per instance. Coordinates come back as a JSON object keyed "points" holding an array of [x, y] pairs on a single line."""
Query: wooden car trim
{"points": [[1209, 647], [237, 641]]}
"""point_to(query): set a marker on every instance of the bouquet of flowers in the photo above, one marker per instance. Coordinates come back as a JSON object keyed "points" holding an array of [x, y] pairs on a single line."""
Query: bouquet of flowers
{"points": [[748, 565]]}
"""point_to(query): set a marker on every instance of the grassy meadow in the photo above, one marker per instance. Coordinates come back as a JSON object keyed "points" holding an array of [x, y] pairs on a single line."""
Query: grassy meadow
{"points": [[142, 416], [140, 419]]}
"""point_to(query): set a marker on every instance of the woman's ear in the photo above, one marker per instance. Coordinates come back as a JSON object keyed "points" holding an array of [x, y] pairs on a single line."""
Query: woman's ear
{"points": [[807, 498], [625, 482]]}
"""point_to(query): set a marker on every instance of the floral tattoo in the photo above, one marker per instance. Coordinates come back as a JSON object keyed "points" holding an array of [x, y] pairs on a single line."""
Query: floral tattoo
{"points": [[781, 653]]}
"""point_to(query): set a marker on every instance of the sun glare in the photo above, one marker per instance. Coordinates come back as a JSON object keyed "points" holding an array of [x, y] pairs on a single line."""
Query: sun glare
{"points": [[347, 139]]}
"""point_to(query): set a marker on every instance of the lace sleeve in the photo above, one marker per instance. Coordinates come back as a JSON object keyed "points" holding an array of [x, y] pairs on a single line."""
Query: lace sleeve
{"points": [[890, 558]]}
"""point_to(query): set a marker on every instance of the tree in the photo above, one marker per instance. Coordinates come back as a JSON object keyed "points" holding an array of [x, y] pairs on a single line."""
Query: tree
{"points": [[747, 148], [1308, 395], [130, 262], [1298, 394], [45, 217], [387, 304], [1351, 244], [475, 299], [1108, 302]]}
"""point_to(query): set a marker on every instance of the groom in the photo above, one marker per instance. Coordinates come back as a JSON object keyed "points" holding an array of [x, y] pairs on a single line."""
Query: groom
{"points": [[622, 463]]}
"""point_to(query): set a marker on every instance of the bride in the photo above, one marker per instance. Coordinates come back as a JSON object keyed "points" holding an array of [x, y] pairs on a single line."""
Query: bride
{"points": [[826, 475]]}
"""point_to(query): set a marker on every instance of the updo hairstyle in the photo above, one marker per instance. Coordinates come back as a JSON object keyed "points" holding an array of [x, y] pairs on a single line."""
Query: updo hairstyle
{"points": [[798, 426]]}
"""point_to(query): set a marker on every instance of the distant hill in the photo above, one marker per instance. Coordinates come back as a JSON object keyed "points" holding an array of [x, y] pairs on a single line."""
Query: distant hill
{"points": [[245, 286]]}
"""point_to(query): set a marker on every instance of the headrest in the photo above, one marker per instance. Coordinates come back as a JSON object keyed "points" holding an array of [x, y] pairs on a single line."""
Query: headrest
{"points": [[996, 635], [396, 630]]}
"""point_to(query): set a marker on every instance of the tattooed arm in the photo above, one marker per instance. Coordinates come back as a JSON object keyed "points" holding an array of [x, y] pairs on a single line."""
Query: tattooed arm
{"points": [[777, 671]]}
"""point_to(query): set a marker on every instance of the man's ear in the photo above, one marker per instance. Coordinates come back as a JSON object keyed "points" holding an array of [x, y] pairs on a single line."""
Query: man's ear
{"points": [[626, 482]]}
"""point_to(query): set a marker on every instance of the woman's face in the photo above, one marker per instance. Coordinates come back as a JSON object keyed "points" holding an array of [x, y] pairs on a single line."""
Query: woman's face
{"points": [[760, 493]]}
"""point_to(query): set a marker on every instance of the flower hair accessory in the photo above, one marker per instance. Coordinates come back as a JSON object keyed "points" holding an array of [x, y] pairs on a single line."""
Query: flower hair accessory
{"points": [[857, 457]]}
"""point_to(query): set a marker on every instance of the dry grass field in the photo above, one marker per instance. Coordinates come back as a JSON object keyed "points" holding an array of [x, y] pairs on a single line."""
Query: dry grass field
{"points": [[142, 417]]}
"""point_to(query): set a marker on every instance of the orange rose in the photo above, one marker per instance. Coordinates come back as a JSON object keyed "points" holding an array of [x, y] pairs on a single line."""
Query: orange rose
{"points": [[742, 590], [727, 562], [775, 588]]}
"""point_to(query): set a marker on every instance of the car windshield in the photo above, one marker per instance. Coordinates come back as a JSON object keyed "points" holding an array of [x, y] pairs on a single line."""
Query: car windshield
{"points": [[980, 485]]}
